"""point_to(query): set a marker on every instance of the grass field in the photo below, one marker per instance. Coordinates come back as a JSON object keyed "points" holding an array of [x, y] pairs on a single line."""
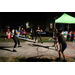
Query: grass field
{"points": [[34, 59], [44, 39], [9, 40]]}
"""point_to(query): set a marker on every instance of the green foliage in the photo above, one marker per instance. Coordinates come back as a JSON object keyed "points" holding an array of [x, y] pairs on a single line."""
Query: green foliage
{"points": [[9, 40], [4, 59]]}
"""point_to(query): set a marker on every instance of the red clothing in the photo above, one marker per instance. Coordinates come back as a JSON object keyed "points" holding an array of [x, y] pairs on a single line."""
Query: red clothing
{"points": [[70, 32], [74, 33], [24, 32], [8, 33]]}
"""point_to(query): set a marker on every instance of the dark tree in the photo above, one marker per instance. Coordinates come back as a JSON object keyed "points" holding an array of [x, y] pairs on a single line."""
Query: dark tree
{"points": [[49, 18]]}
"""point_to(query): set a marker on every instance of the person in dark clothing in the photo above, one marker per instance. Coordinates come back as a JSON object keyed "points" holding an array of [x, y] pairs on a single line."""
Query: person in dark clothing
{"points": [[68, 37], [37, 34], [62, 44], [72, 37], [55, 32], [32, 33], [16, 40]]}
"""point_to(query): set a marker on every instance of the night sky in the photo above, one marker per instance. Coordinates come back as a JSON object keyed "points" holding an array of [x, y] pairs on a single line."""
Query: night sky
{"points": [[20, 17]]}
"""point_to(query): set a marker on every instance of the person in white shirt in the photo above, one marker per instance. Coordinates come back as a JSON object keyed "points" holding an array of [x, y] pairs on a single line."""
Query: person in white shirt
{"points": [[13, 31]]}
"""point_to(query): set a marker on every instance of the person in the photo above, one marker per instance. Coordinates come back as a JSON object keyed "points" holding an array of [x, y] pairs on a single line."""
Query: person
{"points": [[13, 31], [56, 43], [55, 31], [8, 33], [37, 34], [70, 34], [74, 36], [20, 31], [68, 37], [32, 33], [62, 44], [24, 32], [16, 40]]}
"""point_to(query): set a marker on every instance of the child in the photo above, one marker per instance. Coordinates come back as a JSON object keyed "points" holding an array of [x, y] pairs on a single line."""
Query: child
{"points": [[62, 44]]}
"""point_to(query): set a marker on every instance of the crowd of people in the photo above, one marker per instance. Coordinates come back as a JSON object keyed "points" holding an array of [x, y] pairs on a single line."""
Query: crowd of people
{"points": [[69, 35], [10, 33], [59, 38], [15, 33]]}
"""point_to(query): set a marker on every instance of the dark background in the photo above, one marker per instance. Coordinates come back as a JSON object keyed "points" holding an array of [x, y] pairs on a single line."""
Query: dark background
{"points": [[15, 19], [19, 17]]}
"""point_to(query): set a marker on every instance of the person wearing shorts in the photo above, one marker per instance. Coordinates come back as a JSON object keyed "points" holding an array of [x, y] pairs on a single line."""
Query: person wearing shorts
{"points": [[62, 44]]}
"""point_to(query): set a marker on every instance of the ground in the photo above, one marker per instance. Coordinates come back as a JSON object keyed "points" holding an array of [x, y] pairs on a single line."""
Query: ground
{"points": [[34, 52]]}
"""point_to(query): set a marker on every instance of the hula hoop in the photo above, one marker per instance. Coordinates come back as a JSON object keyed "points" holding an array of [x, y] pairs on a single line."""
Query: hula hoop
{"points": [[68, 55]]}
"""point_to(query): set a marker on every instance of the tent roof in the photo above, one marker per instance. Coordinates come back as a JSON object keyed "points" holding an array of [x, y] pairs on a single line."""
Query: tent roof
{"points": [[65, 18]]}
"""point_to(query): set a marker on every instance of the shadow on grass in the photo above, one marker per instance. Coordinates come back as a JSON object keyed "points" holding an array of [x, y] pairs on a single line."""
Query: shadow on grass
{"points": [[30, 59], [37, 59], [33, 59]]}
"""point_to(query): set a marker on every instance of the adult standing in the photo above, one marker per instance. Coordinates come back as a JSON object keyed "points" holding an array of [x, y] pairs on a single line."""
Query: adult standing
{"points": [[16, 40], [70, 34], [38, 34], [12, 33], [32, 33]]}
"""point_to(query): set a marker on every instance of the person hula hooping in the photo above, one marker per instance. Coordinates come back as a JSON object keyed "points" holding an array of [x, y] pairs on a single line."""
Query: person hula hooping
{"points": [[62, 44]]}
